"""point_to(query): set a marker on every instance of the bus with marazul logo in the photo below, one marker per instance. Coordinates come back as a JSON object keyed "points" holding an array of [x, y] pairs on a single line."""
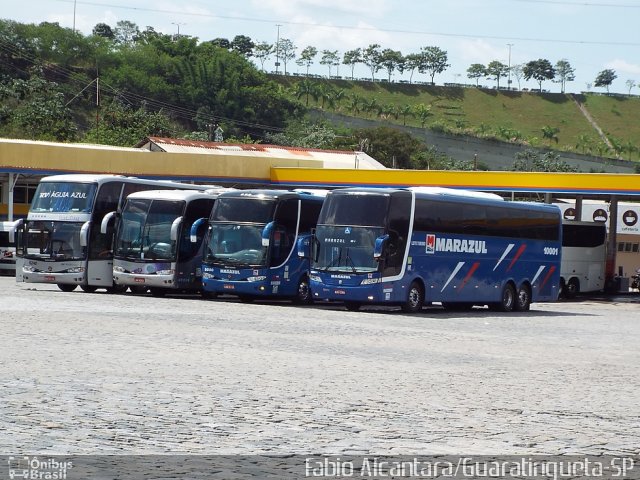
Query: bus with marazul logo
{"points": [[67, 236], [253, 241], [153, 248], [408, 246]]}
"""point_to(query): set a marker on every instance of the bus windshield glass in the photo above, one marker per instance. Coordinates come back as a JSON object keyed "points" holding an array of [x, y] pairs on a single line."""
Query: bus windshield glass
{"points": [[244, 210], [57, 240], [346, 249], [362, 209], [145, 229], [64, 197], [236, 245]]}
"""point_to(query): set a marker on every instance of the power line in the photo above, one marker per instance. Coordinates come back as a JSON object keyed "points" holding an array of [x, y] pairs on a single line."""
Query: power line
{"points": [[386, 30]]}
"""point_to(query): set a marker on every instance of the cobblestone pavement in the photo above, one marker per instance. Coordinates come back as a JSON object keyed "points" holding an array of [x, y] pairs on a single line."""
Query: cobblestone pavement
{"points": [[101, 374]]}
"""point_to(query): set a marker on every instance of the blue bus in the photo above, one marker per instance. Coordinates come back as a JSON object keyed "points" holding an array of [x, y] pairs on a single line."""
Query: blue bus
{"points": [[416, 245], [251, 247]]}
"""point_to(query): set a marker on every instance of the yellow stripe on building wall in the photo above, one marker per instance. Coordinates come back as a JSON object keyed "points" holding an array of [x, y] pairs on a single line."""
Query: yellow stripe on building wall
{"points": [[595, 183]]}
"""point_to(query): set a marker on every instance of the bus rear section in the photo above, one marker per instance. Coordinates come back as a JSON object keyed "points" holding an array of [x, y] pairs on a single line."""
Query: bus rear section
{"points": [[252, 244], [153, 249], [7, 249], [404, 247], [584, 257]]}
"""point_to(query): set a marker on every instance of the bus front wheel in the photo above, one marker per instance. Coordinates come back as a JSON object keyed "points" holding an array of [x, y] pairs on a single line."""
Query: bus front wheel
{"points": [[572, 288], [415, 299], [66, 287], [352, 306], [303, 293], [88, 288]]}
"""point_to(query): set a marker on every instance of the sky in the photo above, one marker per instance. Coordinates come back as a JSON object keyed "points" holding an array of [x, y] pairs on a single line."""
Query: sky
{"points": [[592, 35]]}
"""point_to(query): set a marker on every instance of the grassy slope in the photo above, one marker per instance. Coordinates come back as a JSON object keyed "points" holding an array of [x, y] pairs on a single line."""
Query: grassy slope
{"points": [[466, 109]]}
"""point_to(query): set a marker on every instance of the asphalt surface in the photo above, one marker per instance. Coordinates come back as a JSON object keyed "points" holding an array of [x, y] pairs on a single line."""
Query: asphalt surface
{"points": [[103, 374]]}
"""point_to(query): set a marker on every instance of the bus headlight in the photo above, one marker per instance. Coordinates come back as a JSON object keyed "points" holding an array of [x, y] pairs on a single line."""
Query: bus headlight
{"points": [[257, 279], [315, 278], [28, 269], [118, 269], [370, 281], [208, 276]]}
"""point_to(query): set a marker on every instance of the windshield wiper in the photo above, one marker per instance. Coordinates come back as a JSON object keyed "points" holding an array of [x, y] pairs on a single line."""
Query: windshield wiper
{"points": [[350, 260]]}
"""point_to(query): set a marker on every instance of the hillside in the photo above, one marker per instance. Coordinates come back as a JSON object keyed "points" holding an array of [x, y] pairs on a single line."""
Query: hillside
{"points": [[550, 120]]}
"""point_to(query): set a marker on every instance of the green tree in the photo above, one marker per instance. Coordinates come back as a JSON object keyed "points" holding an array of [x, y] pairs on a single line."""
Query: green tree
{"points": [[565, 73], [243, 45], [126, 32], [329, 58], [412, 62], [422, 113], [550, 133], [306, 57], [103, 30], [262, 51], [351, 58], [540, 70], [391, 60], [496, 70], [390, 145], [531, 161], [476, 71], [371, 57], [306, 88], [286, 51], [434, 61], [605, 78], [304, 135]]}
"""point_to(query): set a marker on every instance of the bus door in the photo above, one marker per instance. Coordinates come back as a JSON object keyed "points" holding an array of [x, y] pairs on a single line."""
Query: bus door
{"points": [[99, 264]]}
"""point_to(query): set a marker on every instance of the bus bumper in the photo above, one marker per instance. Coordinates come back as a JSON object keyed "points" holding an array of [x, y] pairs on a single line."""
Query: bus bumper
{"points": [[67, 278], [372, 294], [140, 280]]}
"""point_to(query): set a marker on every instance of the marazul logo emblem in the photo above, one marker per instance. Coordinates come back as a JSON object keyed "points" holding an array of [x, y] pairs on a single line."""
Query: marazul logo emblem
{"points": [[458, 245]]}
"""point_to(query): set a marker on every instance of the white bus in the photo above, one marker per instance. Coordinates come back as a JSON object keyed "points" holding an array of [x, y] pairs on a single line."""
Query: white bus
{"points": [[67, 237], [7, 250], [584, 256], [153, 248]]}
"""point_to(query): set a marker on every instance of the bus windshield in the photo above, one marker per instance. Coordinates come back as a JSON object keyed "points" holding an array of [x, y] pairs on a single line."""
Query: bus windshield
{"points": [[59, 240], [236, 245], [64, 197], [364, 209], [346, 249], [145, 229]]}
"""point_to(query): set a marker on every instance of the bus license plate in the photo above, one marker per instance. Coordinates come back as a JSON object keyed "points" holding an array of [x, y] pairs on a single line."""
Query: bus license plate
{"points": [[49, 278], [228, 286], [138, 279]]}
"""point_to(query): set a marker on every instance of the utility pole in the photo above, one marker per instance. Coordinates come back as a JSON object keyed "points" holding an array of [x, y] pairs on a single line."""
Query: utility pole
{"points": [[178, 25], [74, 16], [278, 48], [509, 71]]}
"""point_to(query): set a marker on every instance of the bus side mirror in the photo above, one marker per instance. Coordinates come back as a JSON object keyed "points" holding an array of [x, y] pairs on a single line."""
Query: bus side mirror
{"points": [[193, 234], [84, 234], [175, 226], [17, 225], [104, 225], [266, 233], [378, 248], [304, 247]]}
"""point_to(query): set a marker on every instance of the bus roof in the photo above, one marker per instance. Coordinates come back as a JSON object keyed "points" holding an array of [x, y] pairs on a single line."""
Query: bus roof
{"points": [[273, 194], [186, 195], [101, 178]]}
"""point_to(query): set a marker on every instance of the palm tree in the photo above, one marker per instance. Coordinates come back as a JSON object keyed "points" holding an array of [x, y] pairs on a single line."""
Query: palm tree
{"points": [[422, 112], [307, 89]]}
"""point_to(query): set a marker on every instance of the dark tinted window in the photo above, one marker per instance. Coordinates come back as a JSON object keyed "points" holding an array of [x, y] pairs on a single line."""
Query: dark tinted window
{"points": [[309, 215], [238, 209], [365, 209], [399, 215], [583, 235]]}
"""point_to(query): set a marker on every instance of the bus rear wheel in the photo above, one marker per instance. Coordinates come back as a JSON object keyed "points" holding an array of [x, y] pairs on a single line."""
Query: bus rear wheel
{"points": [[572, 288], [415, 299], [523, 302], [66, 287]]}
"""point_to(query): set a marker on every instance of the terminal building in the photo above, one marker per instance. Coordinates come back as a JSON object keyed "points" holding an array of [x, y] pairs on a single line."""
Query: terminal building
{"points": [[580, 195]]}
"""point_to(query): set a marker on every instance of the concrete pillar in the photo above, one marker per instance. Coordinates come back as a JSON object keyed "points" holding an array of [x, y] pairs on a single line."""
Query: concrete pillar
{"points": [[578, 207], [612, 243]]}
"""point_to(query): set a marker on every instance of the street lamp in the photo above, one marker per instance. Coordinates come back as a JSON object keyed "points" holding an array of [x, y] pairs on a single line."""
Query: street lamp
{"points": [[178, 25], [509, 70], [278, 48]]}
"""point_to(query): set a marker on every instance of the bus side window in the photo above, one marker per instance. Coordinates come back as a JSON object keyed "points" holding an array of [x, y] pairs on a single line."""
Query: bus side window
{"points": [[399, 213], [107, 200], [284, 233]]}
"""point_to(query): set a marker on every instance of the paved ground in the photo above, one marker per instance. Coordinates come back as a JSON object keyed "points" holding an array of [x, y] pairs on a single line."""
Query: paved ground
{"points": [[94, 373]]}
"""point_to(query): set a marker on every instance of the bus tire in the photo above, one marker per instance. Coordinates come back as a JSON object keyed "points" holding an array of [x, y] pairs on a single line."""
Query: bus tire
{"points": [[303, 292], [117, 289], [138, 290], [523, 300], [415, 298], [572, 288], [66, 287], [352, 306], [206, 295], [88, 288], [158, 292], [508, 299]]}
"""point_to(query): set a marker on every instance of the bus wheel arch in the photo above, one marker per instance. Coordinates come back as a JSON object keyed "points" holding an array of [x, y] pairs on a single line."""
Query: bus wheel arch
{"points": [[67, 287], [523, 297], [414, 297]]}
